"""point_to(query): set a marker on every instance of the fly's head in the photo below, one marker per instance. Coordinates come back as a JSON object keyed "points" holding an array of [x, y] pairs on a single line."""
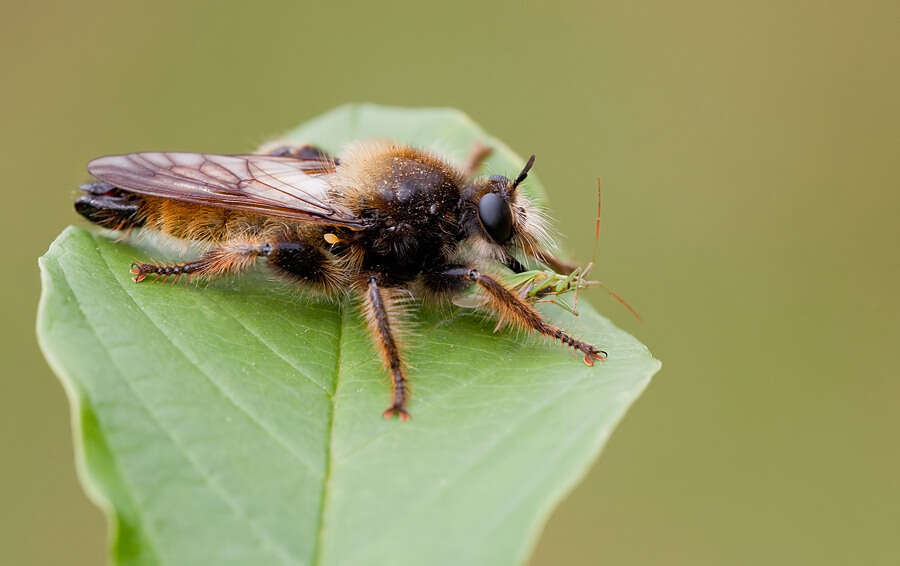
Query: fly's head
{"points": [[503, 221]]}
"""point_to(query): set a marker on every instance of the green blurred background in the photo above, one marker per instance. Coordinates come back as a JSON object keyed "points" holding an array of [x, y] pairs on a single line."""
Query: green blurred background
{"points": [[749, 157]]}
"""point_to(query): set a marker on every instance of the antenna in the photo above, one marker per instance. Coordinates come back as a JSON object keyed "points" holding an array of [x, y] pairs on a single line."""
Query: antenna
{"points": [[523, 174], [597, 225], [600, 284]]}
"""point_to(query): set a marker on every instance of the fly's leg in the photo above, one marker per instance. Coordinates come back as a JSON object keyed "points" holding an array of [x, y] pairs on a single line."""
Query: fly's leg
{"points": [[305, 263], [381, 311], [230, 258], [475, 160], [509, 307], [554, 263], [293, 260]]}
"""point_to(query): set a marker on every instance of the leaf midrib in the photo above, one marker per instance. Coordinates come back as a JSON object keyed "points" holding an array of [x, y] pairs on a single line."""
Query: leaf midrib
{"points": [[329, 429], [485, 451]]}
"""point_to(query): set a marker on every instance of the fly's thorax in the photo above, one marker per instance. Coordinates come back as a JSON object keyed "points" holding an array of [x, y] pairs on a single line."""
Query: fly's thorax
{"points": [[409, 200], [396, 180]]}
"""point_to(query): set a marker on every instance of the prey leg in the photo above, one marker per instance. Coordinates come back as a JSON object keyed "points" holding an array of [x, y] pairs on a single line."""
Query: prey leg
{"points": [[380, 309], [512, 308], [475, 160]]}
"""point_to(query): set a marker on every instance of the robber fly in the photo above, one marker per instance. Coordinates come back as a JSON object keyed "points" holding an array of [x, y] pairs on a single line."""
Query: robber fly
{"points": [[383, 221]]}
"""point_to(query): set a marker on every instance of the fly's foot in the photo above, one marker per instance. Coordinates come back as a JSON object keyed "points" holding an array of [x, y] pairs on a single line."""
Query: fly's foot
{"points": [[592, 353], [163, 272], [140, 271], [396, 410]]}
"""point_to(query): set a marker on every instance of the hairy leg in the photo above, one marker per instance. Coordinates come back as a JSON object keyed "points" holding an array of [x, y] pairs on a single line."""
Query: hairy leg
{"points": [[298, 261], [230, 258], [475, 160], [380, 309], [509, 307], [554, 263]]}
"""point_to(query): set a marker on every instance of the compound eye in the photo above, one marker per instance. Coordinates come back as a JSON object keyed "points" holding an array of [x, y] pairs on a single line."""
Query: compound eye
{"points": [[496, 217]]}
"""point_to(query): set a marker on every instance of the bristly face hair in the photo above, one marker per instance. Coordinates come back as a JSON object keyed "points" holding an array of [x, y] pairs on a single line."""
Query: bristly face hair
{"points": [[382, 220]]}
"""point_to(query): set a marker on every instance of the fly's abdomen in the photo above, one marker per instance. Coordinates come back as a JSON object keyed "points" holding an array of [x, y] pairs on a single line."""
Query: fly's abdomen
{"points": [[117, 209], [110, 207]]}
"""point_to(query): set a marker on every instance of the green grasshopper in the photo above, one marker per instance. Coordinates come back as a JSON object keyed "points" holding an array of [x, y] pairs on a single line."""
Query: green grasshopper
{"points": [[547, 286]]}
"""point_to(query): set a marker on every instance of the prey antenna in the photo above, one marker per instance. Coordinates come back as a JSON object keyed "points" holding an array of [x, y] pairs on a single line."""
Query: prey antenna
{"points": [[523, 174], [596, 239], [597, 225], [587, 269]]}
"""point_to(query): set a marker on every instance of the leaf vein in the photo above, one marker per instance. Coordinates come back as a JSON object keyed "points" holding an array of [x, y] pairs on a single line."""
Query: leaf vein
{"points": [[151, 534], [283, 553], [272, 349], [478, 455]]}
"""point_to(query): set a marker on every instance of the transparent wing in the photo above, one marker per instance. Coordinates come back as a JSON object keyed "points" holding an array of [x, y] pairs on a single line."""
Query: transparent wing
{"points": [[279, 186]]}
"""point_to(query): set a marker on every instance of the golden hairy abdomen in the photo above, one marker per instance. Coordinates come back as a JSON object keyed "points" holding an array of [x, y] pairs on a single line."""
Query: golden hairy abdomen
{"points": [[210, 224]]}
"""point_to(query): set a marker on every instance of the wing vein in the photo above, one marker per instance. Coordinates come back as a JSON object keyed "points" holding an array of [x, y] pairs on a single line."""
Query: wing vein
{"points": [[258, 184]]}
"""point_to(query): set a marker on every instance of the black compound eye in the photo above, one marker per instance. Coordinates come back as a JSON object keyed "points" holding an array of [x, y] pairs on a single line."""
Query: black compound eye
{"points": [[493, 210]]}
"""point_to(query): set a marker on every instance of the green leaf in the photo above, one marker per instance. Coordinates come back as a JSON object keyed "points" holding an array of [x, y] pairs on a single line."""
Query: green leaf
{"points": [[240, 422]]}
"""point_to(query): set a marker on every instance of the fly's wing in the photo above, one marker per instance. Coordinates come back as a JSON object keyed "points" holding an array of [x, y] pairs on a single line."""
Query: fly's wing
{"points": [[261, 184]]}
